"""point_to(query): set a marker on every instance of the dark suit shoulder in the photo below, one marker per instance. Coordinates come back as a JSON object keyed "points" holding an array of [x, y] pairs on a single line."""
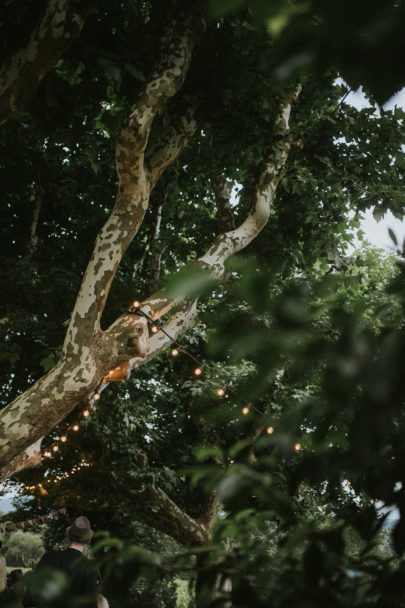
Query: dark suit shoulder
{"points": [[60, 559]]}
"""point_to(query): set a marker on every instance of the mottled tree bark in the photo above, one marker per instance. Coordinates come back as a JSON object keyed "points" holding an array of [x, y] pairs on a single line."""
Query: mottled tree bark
{"points": [[88, 352], [20, 75]]}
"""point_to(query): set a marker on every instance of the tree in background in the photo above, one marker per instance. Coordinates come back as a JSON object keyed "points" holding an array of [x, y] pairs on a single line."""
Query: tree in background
{"points": [[24, 549]]}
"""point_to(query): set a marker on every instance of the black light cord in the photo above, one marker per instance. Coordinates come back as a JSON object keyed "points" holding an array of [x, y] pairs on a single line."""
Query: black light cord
{"points": [[138, 311]]}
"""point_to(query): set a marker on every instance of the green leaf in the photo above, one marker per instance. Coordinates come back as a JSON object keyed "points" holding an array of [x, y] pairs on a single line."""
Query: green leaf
{"points": [[231, 485], [49, 362], [218, 8], [190, 282], [239, 446], [208, 451], [392, 236]]}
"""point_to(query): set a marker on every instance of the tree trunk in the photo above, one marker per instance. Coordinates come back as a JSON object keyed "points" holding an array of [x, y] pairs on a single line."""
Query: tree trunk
{"points": [[88, 352]]}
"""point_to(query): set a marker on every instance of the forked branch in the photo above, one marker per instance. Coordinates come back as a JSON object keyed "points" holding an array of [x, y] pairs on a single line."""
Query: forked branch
{"points": [[85, 362], [134, 184]]}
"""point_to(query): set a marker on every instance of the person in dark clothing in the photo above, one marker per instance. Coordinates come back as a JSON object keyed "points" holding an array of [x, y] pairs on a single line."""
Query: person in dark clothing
{"points": [[14, 578], [82, 581]]}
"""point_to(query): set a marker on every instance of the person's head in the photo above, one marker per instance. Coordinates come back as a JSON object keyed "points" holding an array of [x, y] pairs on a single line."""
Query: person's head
{"points": [[80, 532]]}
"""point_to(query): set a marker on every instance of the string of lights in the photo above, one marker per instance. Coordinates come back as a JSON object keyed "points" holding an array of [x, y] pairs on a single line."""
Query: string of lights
{"points": [[75, 427], [177, 348], [223, 389], [48, 481]]}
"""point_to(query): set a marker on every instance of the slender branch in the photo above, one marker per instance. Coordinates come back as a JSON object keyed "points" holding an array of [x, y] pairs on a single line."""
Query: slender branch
{"points": [[139, 264], [165, 515], [21, 74], [222, 192], [33, 241], [156, 252], [155, 259], [208, 510], [158, 199]]}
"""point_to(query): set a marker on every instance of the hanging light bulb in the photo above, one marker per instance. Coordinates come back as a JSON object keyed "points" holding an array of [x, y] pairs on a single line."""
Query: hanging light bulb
{"points": [[197, 371], [63, 438], [220, 391], [297, 447], [245, 411], [86, 413], [55, 447], [270, 430], [47, 454], [136, 304], [174, 352], [75, 427], [154, 329], [348, 483], [96, 396]]}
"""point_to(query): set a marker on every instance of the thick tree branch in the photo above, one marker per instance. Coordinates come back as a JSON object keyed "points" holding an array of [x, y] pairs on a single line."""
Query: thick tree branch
{"points": [[182, 320], [164, 515], [164, 82], [134, 186], [229, 243], [29, 417], [31, 457], [179, 128], [21, 74]]}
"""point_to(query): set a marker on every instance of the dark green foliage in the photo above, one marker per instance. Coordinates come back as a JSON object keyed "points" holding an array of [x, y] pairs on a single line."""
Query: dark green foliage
{"points": [[304, 332], [360, 39]]}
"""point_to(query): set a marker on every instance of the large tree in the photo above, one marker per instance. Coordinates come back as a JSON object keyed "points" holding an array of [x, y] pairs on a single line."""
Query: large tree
{"points": [[191, 106], [89, 353]]}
